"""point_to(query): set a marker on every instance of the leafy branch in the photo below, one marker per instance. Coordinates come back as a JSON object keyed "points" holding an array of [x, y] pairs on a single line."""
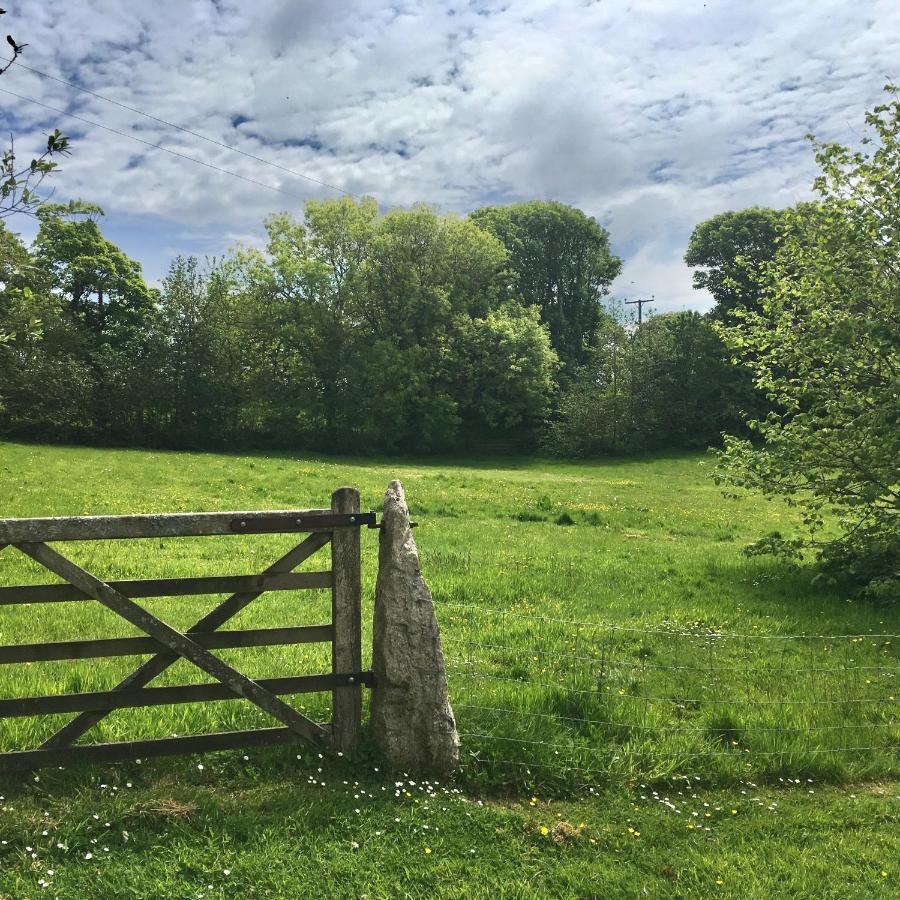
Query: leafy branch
{"points": [[20, 183]]}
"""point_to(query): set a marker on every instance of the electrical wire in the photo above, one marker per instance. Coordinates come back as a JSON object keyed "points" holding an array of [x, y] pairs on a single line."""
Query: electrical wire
{"points": [[182, 128], [150, 144]]}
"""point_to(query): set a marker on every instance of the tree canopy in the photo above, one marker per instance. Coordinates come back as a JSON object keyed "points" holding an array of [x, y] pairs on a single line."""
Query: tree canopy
{"points": [[666, 383], [349, 331], [825, 347], [103, 287], [560, 262], [727, 252], [356, 331]]}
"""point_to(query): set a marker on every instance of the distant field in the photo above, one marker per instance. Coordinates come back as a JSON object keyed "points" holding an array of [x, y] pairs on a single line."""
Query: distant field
{"points": [[678, 729]]}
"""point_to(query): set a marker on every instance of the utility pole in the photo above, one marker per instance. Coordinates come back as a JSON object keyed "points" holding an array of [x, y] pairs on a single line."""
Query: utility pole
{"points": [[640, 305]]}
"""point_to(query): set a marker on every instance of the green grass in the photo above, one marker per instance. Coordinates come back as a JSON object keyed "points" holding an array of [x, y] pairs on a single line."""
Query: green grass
{"points": [[681, 668], [173, 831]]}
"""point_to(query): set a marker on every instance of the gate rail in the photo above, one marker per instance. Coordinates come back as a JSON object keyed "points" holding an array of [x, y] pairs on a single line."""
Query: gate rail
{"points": [[339, 526]]}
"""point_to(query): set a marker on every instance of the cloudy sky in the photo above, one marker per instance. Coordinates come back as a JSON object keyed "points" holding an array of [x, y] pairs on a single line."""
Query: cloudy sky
{"points": [[649, 115]]}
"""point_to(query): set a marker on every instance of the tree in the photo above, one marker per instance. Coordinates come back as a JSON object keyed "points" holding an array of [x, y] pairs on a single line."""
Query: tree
{"points": [[426, 277], [44, 385], [105, 289], [110, 311], [667, 383], [825, 347], [593, 416], [727, 251], [559, 261], [15, 272], [383, 332], [327, 274], [508, 368], [197, 369], [687, 390]]}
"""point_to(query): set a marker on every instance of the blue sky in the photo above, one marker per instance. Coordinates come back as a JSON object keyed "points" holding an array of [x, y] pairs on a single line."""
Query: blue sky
{"points": [[650, 116]]}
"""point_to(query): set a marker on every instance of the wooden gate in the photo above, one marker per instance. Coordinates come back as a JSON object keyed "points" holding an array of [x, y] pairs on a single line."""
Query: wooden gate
{"points": [[338, 526]]}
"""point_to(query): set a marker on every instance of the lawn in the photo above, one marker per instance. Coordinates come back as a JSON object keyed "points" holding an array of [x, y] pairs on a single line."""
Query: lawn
{"points": [[603, 631]]}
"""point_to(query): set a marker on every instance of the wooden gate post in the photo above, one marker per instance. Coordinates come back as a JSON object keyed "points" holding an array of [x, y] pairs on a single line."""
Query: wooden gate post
{"points": [[347, 622]]}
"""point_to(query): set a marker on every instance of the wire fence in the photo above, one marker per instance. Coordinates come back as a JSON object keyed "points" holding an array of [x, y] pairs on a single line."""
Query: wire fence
{"points": [[538, 697]]}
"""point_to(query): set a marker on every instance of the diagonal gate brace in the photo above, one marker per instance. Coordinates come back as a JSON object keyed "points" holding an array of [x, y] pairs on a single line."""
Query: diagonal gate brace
{"points": [[175, 641], [216, 618]]}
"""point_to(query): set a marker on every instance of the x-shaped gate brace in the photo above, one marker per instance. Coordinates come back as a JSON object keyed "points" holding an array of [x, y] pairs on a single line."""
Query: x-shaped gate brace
{"points": [[186, 645]]}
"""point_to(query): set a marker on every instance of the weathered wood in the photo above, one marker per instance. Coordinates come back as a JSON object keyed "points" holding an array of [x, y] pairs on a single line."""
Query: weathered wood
{"points": [[203, 743], [138, 646], [347, 621], [170, 587], [92, 528], [179, 643], [340, 523], [216, 618], [186, 693]]}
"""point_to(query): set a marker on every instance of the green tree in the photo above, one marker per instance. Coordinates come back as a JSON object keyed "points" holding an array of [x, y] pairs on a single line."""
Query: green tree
{"points": [[111, 310], [506, 372], [348, 315], [44, 384], [197, 369], [669, 382], [104, 288], [18, 276], [326, 258], [825, 347], [426, 277], [593, 415], [386, 332], [687, 390], [560, 261], [727, 252]]}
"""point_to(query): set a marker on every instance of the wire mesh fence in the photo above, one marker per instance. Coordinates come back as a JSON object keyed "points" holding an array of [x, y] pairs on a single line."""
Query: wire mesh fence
{"points": [[541, 698]]}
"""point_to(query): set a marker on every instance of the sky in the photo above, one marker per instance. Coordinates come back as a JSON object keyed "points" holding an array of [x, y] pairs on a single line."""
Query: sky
{"points": [[650, 116]]}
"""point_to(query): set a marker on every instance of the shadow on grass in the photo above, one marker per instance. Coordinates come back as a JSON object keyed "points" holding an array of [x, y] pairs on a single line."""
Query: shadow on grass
{"points": [[438, 462], [770, 586]]}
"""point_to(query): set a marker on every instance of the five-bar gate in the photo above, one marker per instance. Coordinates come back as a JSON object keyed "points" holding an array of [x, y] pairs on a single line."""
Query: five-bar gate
{"points": [[338, 526]]}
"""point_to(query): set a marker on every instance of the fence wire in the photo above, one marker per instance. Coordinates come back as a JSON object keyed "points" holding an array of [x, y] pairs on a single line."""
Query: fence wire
{"points": [[538, 696]]}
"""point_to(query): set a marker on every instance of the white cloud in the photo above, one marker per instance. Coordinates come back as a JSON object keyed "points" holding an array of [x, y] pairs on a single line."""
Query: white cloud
{"points": [[650, 116]]}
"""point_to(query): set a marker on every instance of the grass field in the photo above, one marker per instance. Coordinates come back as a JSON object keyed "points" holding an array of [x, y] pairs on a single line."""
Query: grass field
{"points": [[603, 632]]}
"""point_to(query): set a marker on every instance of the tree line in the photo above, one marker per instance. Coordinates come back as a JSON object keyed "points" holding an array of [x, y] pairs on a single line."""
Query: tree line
{"points": [[354, 332]]}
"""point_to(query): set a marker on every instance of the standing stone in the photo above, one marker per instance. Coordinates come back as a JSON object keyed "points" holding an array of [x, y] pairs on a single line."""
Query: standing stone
{"points": [[411, 717]]}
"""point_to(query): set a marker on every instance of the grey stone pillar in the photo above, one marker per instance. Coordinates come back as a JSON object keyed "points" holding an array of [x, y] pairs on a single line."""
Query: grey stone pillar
{"points": [[412, 721]]}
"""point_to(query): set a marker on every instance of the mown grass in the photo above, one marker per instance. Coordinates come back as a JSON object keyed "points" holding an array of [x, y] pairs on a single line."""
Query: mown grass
{"points": [[602, 630]]}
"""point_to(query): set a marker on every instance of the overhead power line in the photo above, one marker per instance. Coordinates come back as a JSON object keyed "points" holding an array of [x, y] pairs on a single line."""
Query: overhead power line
{"points": [[150, 144], [196, 134]]}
